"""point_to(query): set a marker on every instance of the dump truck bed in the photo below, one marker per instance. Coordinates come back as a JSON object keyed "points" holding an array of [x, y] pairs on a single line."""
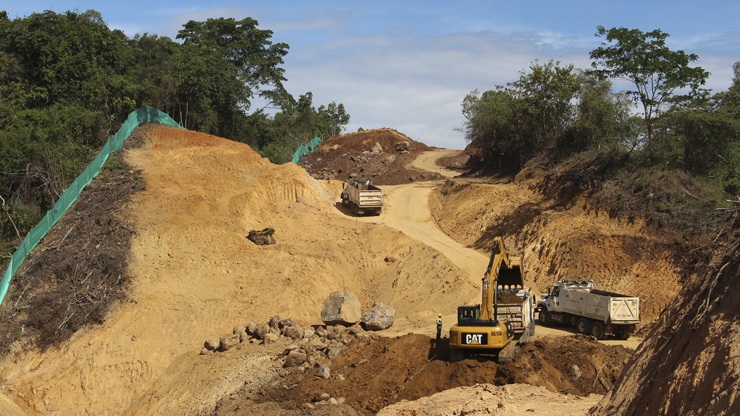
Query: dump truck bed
{"points": [[605, 306]]}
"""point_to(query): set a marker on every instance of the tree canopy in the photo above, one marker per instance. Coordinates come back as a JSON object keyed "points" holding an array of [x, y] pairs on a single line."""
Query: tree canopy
{"points": [[656, 71]]}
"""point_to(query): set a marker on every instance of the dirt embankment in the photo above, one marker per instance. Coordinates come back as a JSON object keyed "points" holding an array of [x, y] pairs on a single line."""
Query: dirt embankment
{"points": [[691, 358], [192, 273]]}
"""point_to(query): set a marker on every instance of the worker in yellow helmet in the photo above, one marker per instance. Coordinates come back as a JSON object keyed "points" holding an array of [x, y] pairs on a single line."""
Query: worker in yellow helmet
{"points": [[439, 325]]}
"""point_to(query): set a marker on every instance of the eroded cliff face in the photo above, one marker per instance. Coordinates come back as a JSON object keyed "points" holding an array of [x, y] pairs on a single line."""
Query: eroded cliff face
{"points": [[691, 358]]}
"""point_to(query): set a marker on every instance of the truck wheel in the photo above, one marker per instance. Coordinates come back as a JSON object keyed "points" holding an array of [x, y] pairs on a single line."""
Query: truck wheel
{"points": [[583, 326], [345, 202], [597, 330], [544, 317], [354, 209], [622, 334]]}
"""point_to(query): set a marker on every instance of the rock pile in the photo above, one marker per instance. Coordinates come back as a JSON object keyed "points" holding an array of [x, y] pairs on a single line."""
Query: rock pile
{"points": [[311, 349], [381, 154]]}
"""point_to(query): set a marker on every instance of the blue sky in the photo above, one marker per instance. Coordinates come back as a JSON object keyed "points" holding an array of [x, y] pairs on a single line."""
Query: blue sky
{"points": [[408, 64]]}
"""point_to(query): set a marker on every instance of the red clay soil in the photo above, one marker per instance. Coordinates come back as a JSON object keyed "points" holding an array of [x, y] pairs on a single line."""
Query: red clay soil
{"points": [[381, 154], [371, 374]]}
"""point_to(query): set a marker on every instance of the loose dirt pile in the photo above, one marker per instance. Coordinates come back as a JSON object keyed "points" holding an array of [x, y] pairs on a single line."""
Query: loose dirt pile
{"points": [[382, 155], [371, 372]]}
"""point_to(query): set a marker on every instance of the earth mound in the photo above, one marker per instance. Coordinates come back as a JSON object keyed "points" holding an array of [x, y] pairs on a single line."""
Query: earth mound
{"points": [[371, 373], [380, 154]]}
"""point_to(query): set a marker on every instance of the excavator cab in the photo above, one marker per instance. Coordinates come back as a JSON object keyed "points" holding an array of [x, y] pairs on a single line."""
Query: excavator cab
{"points": [[467, 314]]}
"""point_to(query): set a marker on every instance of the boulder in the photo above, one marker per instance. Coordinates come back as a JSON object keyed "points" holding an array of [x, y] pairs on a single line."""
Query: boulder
{"points": [[341, 308], [377, 148], [294, 332], [270, 338], [380, 317], [295, 358], [402, 147], [210, 344], [274, 321], [239, 329], [262, 237], [323, 372], [286, 322], [228, 341], [261, 330]]}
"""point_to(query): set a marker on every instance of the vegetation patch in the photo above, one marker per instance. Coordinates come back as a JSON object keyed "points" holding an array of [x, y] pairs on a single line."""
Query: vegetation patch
{"points": [[78, 272]]}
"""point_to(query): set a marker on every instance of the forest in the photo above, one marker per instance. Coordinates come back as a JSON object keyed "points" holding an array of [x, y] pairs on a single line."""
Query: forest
{"points": [[667, 150]]}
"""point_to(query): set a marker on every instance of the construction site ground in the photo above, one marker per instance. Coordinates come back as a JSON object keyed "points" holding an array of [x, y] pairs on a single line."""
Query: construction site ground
{"points": [[193, 276]]}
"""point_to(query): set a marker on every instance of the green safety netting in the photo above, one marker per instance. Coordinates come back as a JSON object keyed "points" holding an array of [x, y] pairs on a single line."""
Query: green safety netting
{"points": [[303, 149], [70, 195]]}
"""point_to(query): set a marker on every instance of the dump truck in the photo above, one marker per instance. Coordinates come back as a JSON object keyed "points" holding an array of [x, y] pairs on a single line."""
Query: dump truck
{"points": [[595, 312], [505, 316], [362, 197]]}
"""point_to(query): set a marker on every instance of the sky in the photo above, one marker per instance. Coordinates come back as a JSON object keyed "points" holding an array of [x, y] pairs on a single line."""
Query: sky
{"points": [[407, 65]]}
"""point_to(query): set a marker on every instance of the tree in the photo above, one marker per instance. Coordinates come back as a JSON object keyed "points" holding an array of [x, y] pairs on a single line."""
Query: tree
{"points": [[512, 124], [299, 122], [332, 119], [657, 72], [224, 64], [603, 118], [547, 93], [491, 124]]}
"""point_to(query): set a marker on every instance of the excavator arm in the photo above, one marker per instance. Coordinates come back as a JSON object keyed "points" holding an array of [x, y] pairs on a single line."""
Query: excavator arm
{"points": [[499, 256]]}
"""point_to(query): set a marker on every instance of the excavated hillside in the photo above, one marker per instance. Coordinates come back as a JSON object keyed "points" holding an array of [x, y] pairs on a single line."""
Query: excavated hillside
{"points": [[170, 225]]}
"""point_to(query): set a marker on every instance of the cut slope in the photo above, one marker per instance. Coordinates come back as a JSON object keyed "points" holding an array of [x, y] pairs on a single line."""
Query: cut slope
{"points": [[691, 359], [562, 242]]}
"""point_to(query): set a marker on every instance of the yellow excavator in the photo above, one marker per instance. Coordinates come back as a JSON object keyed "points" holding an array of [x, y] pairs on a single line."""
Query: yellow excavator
{"points": [[494, 326]]}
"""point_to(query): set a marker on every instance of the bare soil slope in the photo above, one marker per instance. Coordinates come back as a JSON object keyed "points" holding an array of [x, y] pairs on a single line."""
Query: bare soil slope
{"points": [[562, 242], [691, 359]]}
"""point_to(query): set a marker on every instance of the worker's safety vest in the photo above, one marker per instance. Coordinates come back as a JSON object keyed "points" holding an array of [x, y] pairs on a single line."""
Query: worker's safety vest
{"points": [[439, 321]]}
